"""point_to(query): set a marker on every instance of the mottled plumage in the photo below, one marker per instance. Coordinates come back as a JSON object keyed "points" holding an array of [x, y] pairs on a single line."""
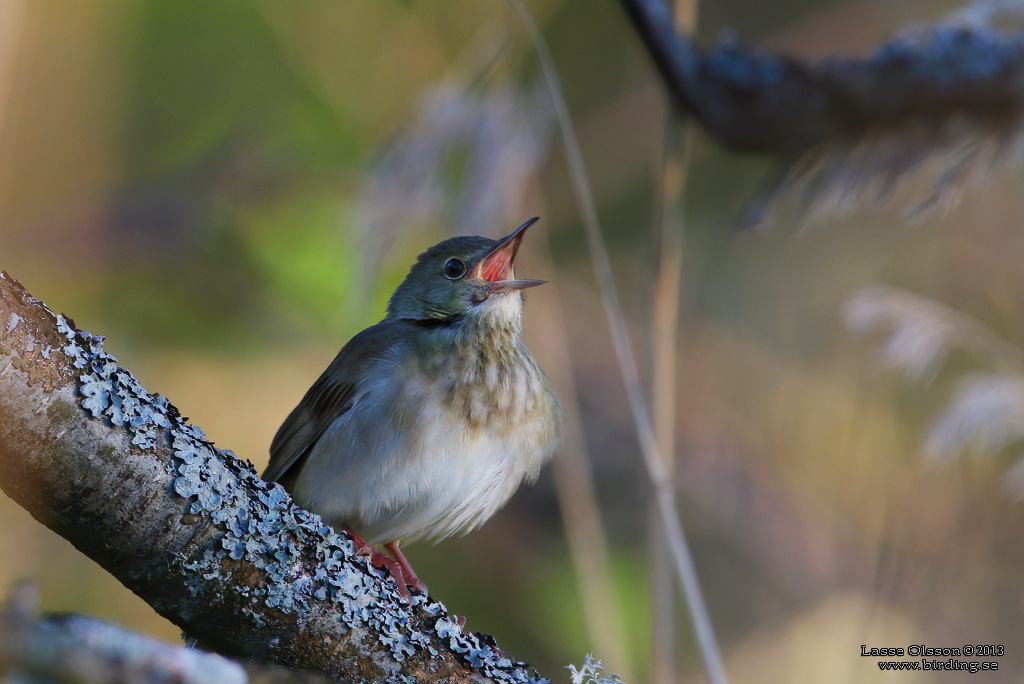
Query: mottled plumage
{"points": [[425, 424]]}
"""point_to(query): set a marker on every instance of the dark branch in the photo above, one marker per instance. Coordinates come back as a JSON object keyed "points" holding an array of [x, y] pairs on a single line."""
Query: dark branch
{"points": [[193, 530], [755, 101]]}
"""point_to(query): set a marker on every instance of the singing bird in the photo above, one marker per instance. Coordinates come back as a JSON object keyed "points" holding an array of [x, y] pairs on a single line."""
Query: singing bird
{"points": [[425, 424]]}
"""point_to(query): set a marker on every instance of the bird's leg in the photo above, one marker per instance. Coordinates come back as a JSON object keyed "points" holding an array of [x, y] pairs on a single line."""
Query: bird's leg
{"points": [[410, 575], [381, 560]]}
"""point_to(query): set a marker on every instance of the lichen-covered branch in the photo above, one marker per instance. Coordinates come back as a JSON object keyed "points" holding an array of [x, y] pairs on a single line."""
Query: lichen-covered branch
{"points": [[193, 530], [756, 101]]}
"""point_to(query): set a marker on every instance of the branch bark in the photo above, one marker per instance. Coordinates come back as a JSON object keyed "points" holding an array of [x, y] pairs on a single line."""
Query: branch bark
{"points": [[193, 530]]}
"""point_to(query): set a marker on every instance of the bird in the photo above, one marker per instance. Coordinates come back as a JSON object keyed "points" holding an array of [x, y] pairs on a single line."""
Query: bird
{"points": [[425, 424]]}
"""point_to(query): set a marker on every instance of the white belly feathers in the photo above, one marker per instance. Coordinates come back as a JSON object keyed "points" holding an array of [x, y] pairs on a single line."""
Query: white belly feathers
{"points": [[393, 483]]}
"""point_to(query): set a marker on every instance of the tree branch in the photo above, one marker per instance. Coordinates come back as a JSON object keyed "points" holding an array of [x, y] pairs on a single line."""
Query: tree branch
{"points": [[755, 101], [193, 530], [75, 649]]}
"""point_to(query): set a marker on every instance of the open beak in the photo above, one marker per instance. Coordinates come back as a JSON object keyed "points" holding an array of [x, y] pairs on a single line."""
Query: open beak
{"points": [[496, 266]]}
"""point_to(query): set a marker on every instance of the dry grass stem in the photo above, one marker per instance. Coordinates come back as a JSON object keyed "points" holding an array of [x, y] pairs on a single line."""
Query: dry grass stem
{"points": [[577, 498], [626, 360]]}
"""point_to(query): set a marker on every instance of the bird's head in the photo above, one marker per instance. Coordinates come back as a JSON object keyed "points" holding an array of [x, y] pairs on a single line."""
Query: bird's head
{"points": [[460, 276]]}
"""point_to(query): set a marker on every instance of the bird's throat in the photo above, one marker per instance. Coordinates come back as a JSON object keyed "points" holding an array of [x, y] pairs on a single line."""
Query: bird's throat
{"points": [[487, 373]]}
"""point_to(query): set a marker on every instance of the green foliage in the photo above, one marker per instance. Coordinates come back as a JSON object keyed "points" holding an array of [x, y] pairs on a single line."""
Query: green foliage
{"points": [[304, 255], [212, 76]]}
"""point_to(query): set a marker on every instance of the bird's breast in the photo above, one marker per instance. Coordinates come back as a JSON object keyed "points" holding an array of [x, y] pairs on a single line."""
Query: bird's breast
{"points": [[436, 444]]}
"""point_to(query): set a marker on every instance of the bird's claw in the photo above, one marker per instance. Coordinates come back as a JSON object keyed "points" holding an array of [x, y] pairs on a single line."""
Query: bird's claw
{"points": [[381, 560], [402, 573]]}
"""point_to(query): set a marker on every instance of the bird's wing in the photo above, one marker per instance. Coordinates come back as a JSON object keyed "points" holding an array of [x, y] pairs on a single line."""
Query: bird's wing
{"points": [[329, 397]]}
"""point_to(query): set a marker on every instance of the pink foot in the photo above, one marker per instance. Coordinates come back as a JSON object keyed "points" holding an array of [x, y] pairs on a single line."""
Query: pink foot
{"points": [[399, 566], [411, 580]]}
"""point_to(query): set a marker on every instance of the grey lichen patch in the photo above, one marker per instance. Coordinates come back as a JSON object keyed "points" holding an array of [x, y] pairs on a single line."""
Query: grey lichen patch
{"points": [[300, 561], [12, 322]]}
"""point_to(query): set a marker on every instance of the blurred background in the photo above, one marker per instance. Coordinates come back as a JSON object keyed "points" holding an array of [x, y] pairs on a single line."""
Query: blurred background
{"points": [[229, 190]]}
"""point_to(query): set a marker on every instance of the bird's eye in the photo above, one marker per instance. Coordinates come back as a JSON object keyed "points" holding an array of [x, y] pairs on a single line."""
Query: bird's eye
{"points": [[454, 269]]}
